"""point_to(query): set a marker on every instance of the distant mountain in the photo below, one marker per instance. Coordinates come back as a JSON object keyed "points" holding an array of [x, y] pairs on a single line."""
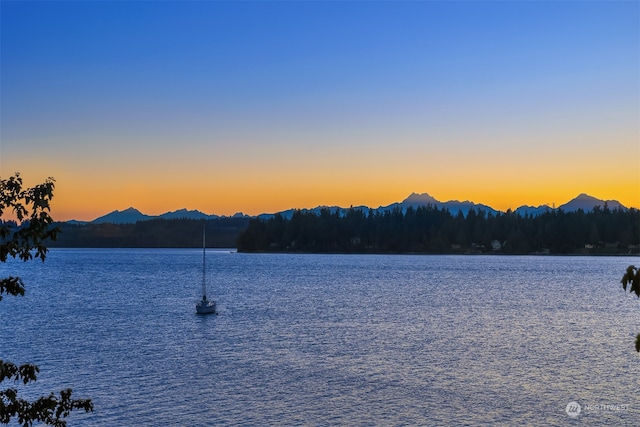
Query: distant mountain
{"points": [[587, 203], [583, 201], [414, 200], [127, 216], [454, 206], [187, 214], [532, 210], [76, 222], [132, 215], [332, 209]]}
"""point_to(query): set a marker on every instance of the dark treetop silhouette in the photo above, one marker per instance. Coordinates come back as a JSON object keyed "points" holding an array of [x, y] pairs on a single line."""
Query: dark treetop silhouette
{"points": [[631, 278], [427, 229], [24, 239]]}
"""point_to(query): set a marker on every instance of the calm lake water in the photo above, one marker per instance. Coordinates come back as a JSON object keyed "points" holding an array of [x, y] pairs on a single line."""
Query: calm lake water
{"points": [[328, 339]]}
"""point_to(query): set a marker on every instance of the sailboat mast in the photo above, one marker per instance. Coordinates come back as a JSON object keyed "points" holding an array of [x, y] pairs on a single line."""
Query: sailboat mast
{"points": [[204, 269]]}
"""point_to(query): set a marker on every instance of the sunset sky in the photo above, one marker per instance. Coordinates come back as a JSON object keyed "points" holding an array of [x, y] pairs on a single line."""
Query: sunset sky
{"points": [[264, 106]]}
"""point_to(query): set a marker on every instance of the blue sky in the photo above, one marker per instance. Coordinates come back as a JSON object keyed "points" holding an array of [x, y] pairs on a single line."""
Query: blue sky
{"points": [[267, 91]]}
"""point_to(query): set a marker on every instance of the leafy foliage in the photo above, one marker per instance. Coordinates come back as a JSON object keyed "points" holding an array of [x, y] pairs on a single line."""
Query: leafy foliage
{"points": [[36, 221], [25, 239], [11, 286], [51, 410], [631, 279]]}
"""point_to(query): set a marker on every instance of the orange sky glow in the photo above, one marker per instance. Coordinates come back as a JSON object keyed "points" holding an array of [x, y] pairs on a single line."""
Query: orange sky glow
{"points": [[498, 103]]}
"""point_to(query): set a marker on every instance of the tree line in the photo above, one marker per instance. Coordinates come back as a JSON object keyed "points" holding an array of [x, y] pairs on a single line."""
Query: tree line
{"points": [[154, 233], [431, 230]]}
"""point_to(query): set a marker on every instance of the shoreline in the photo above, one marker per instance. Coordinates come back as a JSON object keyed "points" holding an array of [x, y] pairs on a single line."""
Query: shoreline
{"points": [[468, 253]]}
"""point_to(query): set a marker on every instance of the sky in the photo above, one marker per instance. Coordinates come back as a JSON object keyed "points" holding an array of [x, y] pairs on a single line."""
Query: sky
{"points": [[257, 107]]}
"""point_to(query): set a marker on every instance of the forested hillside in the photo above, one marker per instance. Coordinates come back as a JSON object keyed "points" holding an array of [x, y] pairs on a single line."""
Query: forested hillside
{"points": [[431, 230], [156, 233]]}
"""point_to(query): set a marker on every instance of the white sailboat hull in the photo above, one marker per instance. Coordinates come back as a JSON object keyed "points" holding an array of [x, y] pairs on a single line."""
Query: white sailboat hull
{"points": [[206, 307]]}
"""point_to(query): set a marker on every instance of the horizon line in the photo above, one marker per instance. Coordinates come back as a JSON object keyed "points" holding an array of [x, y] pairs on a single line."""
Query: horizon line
{"points": [[552, 206]]}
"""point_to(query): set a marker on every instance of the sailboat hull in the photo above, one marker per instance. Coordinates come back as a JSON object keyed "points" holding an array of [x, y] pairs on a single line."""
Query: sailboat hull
{"points": [[206, 307]]}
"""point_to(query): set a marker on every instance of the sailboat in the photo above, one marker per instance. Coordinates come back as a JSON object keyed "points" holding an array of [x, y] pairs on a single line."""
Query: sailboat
{"points": [[205, 306]]}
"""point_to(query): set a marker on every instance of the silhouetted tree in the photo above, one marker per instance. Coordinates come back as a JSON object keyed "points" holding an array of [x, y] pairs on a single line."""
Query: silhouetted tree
{"points": [[631, 278], [425, 229], [24, 239]]}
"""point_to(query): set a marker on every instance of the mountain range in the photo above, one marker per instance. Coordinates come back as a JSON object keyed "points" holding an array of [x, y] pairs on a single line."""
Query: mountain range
{"points": [[583, 201]]}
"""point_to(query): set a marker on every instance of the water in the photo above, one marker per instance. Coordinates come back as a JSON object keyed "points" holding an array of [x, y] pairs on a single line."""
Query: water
{"points": [[328, 339]]}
